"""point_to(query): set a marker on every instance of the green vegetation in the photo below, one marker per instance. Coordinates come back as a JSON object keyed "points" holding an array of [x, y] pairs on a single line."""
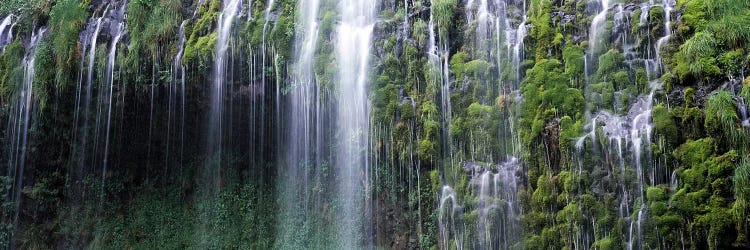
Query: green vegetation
{"points": [[565, 110]]}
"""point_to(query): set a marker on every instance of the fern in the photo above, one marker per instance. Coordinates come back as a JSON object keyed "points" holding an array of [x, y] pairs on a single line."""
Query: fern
{"points": [[719, 8], [67, 18], [732, 30], [702, 44]]}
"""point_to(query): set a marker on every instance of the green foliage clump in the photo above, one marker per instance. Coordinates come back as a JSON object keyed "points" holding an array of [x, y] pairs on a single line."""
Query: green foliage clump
{"points": [[201, 42], [697, 57], [694, 17], [11, 69], [151, 24], [722, 119], [443, 11], [282, 34], [665, 125], [546, 88], [67, 18], [693, 153], [609, 63], [44, 80], [574, 62], [732, 62], [239, 217]]}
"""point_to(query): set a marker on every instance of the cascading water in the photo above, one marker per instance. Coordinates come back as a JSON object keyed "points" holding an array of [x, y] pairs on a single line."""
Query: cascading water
{"points": [[221, 63], [627, 137], [6, 32], [83, 140], [505, 172], [178, 81], [213, 167], [597, 29], [352, 45], [449, 219], [263, 74], [742, 107], [509, 90], [19, 124], [437, 54], [633, 130], [667, 6], [94, 110], [498, 222], [499, 30], [302, 136], [108, 87]]}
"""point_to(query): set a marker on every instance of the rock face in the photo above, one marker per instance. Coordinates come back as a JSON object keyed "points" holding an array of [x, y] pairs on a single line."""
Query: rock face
{"points": [[361, 124]]}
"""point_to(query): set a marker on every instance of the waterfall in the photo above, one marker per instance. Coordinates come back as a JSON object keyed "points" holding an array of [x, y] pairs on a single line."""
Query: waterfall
{"points": [[109, 81], [498, 209], [437, 54], [20, 118], [668, 6], [178, 77], [632, 129], [497, 30], [628, 137], [597, 27], [363, 124], [302, 136], [264, 53], [449, 219], [83, 149], [499, 224], [742, 107], [514, 39], [93, 136], [479, 13], [221, 64], [6, 32], [352, 45], [517, 43]]}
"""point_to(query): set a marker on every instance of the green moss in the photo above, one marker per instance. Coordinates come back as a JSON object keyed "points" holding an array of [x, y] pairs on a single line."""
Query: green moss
{"points": [[547, 95], [607, 91], [665, 125], [695, 15], [202, 48], [732, 62], [718, 222], [621, 80], [282, 35], [44, 79], [656, 19], [689, 96], [655, 194], [543, 195], [479, 69], [201, 36], [574, 62], [458, 64], [427, 150], [693, 153], [609, 63], [722, 166], [606, 243]]}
